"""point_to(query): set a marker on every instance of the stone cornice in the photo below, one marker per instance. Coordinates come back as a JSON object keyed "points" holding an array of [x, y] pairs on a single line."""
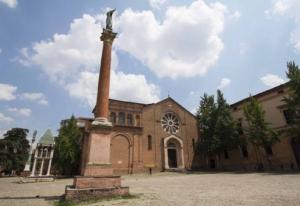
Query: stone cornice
{"points": [[108, 36]]}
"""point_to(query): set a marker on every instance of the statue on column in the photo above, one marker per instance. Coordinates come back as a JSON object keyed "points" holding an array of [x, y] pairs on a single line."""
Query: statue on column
{"points": [[109, 19]]}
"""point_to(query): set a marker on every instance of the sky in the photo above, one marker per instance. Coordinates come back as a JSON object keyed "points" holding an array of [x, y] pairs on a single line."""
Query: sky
{"points": [[50, 54]]}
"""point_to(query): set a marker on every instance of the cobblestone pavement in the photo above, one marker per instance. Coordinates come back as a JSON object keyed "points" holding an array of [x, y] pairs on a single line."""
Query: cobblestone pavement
{"points": [[172, 189]]}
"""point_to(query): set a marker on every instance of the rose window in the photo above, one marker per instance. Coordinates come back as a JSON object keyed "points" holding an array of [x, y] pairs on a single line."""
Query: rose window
{"points": [[170, 123]]}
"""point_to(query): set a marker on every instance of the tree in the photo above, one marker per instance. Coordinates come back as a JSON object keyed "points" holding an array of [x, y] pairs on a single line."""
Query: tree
{"points": [[293, 100], [258, 132], [219, 128], [68, 145], [207, 120], [227, 128], [14, 150]]}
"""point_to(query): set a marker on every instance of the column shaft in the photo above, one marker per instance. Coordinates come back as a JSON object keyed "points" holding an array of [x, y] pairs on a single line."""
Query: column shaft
{"points": [[41, 169], [49, 166], [33, 168]]}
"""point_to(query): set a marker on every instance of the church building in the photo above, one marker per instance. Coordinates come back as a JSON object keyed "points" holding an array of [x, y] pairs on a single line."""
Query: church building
{"points": [[157, 136]]}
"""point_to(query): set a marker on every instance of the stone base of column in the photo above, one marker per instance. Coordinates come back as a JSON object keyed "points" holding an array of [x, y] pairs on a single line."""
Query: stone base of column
{"points": [[74, 195], [26, 173], [102, 121], [98, 170], [98, 180]]}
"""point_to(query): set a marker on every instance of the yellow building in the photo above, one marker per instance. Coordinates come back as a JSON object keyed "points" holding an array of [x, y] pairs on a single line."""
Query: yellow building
{"points": [[283, 155]]}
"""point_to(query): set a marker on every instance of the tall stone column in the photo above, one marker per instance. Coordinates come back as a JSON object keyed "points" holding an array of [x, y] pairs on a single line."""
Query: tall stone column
{"points": [[101, 109], [98, 180], [99, 139]]}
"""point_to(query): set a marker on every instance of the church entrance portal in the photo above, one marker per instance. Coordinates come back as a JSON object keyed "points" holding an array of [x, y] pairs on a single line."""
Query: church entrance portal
{"points": [[173, 152], [296, 149], [172, 157]]}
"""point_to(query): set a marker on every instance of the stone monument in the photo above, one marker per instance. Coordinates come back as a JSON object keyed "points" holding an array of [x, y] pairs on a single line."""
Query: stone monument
{"points": [[26, 171], [44, 154], [98, 180]]}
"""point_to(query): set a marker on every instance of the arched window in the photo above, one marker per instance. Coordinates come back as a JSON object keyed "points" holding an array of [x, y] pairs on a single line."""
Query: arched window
{"points": [[129, 119], [113, 118], [137, 117], [121, 118], [149, 142]]}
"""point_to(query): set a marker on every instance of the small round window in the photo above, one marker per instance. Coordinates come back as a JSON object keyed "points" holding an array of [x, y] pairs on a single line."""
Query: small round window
{"points": [[170, 123]]}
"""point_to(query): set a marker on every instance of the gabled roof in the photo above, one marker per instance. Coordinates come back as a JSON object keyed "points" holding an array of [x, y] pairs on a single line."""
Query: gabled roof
{"points": [[167, 99], [47, 138]]}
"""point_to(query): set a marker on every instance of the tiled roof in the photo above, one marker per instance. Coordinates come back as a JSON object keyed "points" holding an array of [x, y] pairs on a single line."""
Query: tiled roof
{"points": [[47, 138]]}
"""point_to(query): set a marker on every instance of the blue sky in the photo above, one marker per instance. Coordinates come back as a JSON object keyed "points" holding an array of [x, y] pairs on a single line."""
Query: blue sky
{"points": [[50, 54]]}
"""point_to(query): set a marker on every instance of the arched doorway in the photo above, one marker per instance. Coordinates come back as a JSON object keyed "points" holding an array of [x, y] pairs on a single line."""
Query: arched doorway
{"points": [[173, 152], [296, 149]]}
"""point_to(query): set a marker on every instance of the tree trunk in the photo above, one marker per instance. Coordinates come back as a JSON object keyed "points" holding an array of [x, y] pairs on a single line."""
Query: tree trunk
{"points": [[218, 163]]}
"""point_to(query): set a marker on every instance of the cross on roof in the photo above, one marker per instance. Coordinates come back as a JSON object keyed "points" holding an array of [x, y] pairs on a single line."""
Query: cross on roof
{"points": [[169, 105]]}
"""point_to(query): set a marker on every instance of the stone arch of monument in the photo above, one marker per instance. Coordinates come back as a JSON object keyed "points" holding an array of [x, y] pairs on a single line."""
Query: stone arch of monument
{"points": [[173, 152]]}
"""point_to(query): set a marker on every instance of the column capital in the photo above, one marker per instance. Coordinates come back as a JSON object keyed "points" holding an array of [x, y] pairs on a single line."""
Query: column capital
{"points": [[108, 36]]}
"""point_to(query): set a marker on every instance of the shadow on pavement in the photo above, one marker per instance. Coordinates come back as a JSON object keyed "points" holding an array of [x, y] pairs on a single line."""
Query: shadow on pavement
{"points": [[36, 197]]}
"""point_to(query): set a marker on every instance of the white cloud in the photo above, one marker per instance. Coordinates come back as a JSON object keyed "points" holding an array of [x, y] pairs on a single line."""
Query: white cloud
{"points": [[156, 3], [242, 47], [0, 50], [22, 112], [72, 60], [12, 109], [25, 112], [224, 82], [187, 43], [10, 3], [272, 80], [32, 96], [43, 102], [129, 87], [6, 92], [40, 97], [5, 119], [289, 8], [235, 15], [194, 111], [194, 94], [67, 54]]}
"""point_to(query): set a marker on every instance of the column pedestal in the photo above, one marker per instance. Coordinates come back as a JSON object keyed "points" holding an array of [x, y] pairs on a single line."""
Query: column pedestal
{"points": [[98, 179], [26, 172]]}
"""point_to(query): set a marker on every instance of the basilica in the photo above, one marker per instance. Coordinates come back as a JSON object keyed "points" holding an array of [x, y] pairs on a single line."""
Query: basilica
{"points": [[159, 136]]}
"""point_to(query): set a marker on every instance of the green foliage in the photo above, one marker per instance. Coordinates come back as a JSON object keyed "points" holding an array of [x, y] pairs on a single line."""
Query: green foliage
{"points": [[258, 131], [68, 145], [226, 128], [14, 150], [293, 100], [219, 128]]}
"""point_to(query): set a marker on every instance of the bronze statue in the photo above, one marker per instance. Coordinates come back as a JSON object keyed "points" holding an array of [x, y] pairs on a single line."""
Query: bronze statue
{"points": [[109, 19]]}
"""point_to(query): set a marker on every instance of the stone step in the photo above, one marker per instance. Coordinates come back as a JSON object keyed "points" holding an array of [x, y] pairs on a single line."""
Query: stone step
{"points": [[175, 170]]}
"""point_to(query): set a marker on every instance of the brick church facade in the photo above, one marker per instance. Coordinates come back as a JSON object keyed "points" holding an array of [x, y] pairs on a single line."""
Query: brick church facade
{"points": [[158, 135], [161, 135]]}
